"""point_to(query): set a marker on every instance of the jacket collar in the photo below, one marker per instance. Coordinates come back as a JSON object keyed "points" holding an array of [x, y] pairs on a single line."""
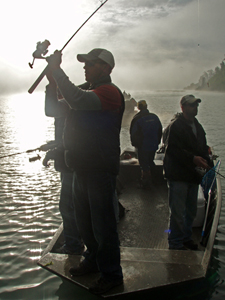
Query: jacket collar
{"points": [[103, 80]]}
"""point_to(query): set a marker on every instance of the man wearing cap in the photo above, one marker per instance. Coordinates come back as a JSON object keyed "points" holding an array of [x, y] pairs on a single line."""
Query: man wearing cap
{"points": [[145, 134], [92, 148], [186, 149]]}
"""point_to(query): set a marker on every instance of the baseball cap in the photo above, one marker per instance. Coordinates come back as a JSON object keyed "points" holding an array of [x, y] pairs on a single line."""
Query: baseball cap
{"points": [[98, 53], [188, 99], [141, 104]]}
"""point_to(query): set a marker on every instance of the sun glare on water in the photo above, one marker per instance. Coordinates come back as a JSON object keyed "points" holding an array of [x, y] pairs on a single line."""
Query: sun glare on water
{"points": [[29, 128]]}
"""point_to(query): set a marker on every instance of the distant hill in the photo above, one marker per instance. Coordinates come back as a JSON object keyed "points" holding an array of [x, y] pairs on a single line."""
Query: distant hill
{"points": [[211, 80]]}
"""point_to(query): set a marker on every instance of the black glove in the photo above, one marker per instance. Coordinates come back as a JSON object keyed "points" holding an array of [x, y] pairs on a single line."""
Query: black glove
{"points": [[50, 155]]}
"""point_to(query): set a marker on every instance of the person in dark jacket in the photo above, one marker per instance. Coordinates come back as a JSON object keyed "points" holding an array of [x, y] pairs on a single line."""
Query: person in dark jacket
{"points": [[73, 243], [186, 150], [91, 140], [145, 135]]}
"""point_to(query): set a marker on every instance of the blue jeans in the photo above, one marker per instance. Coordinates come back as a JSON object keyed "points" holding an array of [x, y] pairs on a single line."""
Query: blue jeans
{"points": [[94, 205], [72, 237], [183, 197]]}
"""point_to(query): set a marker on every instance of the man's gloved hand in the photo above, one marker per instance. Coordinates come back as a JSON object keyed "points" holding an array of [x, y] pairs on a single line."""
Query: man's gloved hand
{"points": [[53, 154], [45, 161], [54, 60]]}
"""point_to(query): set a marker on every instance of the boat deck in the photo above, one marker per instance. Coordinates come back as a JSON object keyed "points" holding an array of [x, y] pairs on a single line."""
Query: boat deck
{"points": [[145, 223], [146, 220], [145, 259]]}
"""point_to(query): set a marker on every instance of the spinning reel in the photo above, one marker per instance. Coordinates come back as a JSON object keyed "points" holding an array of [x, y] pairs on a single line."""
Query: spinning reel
{"points": [[41, 50]]}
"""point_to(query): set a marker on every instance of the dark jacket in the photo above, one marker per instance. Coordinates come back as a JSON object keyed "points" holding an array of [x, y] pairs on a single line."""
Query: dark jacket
{"points": [[181, 147], [91, 139], [145, 131], [57, 154]]}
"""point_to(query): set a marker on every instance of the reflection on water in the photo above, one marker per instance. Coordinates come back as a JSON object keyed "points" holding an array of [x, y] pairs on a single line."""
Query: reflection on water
{"points": [[29, 194]]}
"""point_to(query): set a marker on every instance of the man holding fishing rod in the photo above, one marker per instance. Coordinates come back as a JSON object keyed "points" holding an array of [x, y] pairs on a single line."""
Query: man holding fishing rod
{"points": [[186, 151], [92, 148]]}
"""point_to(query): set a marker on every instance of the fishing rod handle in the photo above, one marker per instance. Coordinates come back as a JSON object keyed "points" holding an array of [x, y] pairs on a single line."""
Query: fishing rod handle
{"points": [[38, 80]]}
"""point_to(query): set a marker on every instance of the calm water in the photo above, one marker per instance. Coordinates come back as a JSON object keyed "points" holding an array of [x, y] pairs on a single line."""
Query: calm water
{"points": [[29, 196]]}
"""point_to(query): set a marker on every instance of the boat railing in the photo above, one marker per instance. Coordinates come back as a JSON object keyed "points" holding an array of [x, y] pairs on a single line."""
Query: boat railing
{"points": [[212, 218]]}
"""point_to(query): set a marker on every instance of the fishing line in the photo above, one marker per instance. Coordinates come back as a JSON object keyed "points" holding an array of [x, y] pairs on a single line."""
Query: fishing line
{"points": [[102, 3], [198, 23]]}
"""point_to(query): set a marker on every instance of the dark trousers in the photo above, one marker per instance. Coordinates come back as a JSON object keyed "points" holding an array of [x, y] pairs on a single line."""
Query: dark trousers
{"points": [[146, 160], [94, 193]]}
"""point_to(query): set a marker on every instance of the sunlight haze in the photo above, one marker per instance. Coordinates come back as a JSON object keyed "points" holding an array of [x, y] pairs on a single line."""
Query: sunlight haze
{"points": [[157, 44]]}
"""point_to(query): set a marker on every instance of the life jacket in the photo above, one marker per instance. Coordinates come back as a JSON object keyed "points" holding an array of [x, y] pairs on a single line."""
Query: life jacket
{"points": [[91, 139]]}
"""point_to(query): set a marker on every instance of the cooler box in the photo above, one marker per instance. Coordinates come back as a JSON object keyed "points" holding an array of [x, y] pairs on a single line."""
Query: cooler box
{"points": [[199, 220]]}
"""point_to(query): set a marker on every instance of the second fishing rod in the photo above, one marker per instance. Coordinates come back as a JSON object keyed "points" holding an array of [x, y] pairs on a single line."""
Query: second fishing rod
{"points": [[42, 50]]}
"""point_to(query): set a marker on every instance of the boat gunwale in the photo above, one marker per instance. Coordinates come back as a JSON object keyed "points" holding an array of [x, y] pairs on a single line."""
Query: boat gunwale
{"points": [[209, 247]]}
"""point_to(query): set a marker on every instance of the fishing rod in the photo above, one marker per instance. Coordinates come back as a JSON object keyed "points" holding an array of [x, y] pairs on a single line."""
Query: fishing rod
{"points": [[27, 151], [44, 147], [45, 71], [218, 173], [202, 171]]}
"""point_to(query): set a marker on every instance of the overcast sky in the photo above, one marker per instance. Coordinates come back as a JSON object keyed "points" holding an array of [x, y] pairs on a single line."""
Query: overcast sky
{"points": [[163, 44]]}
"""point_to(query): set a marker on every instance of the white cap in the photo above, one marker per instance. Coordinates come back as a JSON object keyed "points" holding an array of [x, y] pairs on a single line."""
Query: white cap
{"points": [[98, 53], [188, 99]]}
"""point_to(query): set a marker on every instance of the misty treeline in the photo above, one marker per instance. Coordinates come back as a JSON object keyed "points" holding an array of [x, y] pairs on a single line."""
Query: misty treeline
{"points": [[211, 80]]}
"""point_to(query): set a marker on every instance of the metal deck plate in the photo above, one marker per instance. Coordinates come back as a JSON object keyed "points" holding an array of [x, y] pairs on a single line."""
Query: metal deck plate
{"points": [[142, 268]]}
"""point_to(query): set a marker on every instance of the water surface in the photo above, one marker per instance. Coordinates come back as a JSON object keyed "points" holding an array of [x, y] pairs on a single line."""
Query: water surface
{"points": [[29, 195]]}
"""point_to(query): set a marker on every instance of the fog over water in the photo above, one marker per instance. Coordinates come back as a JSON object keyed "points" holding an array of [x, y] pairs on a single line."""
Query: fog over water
{"points": [[156, 44]]}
